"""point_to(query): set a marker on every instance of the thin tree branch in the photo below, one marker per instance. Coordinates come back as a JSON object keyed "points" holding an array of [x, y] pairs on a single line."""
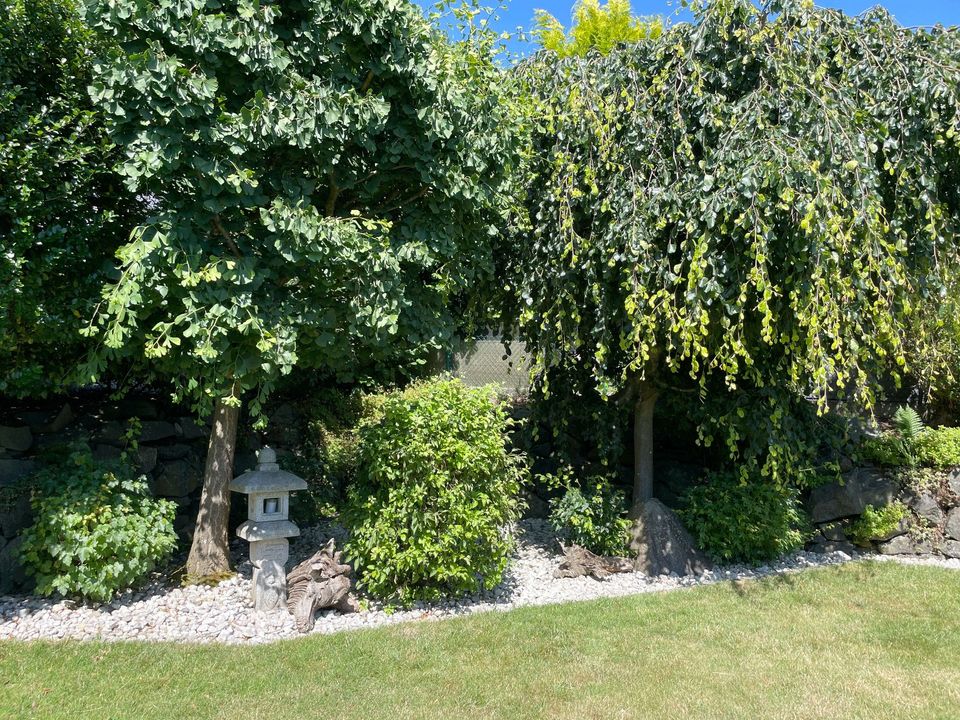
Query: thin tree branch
{"points": [[218, 226], [332, 195], [366, 82]]}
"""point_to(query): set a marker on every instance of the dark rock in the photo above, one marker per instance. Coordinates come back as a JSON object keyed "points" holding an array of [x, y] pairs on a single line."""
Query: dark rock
{"points": [[15, 514], [155, 430], [60, 420], [823, 548], [12, 575], [902, 527], [106, 452], [13, 471], [173, 452], [176, 479], [900, 545], [148, 458], [953, 481], [951, 548], [111, 433], [537, 507], [833, 532], [927, 509], [244, 460], [544, 466], [189, 430], [862, 487], [541, 450], [659, 543], [952, 527], [846, 464], [18, 439]]}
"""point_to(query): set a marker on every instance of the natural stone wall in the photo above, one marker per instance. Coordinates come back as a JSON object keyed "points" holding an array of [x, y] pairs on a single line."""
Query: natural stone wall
{"points": [[932, 526], [172, 447]]}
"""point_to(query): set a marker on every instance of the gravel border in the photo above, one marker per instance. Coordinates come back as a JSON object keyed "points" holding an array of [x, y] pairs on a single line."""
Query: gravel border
{"points": [[224, 614]]}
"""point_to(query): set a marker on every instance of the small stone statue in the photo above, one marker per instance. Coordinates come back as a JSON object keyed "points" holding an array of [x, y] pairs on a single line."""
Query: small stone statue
{"points": [[319, 582], [270, 587]]}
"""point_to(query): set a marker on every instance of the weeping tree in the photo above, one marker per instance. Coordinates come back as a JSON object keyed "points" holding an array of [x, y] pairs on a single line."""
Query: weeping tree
{"points": [[327, 182], [758, 200]]}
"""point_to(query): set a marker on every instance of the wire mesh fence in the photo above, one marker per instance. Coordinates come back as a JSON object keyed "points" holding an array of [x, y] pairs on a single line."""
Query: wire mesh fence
{"points": [[488, 361]]}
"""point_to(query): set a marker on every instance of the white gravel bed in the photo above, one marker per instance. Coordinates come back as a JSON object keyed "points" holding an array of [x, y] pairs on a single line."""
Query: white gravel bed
{"points": [[224, 614]]}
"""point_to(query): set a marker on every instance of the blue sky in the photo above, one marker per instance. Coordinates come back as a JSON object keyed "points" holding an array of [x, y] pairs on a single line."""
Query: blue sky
{"points": [[519, 13]]}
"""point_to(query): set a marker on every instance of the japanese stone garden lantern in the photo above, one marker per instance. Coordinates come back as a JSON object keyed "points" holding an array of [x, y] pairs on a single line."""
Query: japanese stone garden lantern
{"points": [[268, 526]]}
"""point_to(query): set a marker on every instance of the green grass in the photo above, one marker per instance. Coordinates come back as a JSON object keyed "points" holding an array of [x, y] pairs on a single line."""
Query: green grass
{"points": [[873, 641]]}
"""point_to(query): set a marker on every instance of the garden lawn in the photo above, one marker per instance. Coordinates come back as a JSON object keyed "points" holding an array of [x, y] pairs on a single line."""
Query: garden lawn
{"points": [[870, 640]]}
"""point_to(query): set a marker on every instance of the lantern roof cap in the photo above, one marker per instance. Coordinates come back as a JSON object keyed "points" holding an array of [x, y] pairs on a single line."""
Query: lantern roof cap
{"points": [[267, 477]]}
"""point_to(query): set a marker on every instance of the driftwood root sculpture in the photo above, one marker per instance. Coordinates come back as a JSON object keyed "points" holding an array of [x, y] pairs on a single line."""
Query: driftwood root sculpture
{"points": [[578, 561], [319, 582]]}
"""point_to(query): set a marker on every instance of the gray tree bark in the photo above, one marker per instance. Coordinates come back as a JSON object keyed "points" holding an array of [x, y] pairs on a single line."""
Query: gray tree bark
{"points": [[646, 400], [209, 553]]}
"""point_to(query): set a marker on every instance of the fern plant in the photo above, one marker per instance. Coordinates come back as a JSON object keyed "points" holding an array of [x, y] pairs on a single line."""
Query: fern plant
{"points": [[909, 428]]}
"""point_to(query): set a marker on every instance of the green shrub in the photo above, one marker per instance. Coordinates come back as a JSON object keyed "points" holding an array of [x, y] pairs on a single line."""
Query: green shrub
{"points": [[749, 521], [939, 447], [97, 528], [886, 449], [877, 524], [591, 514], [435, 489]]}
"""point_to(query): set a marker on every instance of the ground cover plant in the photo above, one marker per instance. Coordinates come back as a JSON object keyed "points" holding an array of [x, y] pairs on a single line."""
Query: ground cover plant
{"points": [[862, 641]]}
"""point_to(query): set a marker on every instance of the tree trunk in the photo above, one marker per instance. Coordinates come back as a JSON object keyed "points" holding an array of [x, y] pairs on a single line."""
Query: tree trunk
{"points": [[643, 441], [209, 554]]}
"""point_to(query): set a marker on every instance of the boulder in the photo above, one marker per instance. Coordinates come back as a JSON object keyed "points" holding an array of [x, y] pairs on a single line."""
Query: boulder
{"points": [[952, 527], [148, 458], [951, 548], [659, 543], [927, 509], [173, 452], [861, 487], [953, 481], [60, 421], [102, 451], [831, 547], [13, 471], [900, 545], [189, 430], [155, 430], [833, 532], [133, 408], [12, 575], [176, 479], [18, 439], [15, 514]]}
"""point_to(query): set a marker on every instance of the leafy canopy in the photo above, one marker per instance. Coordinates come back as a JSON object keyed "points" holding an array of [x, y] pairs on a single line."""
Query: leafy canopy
{"points": [[328, 179], [752, 200], [63, 212], [595, 27]]}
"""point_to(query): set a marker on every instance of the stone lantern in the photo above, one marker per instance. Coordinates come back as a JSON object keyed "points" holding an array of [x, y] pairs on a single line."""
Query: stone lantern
{"points": [[268, 526]]}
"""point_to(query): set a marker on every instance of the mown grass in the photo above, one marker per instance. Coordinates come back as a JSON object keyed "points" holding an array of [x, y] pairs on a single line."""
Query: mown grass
{"points": [[873, 641]]}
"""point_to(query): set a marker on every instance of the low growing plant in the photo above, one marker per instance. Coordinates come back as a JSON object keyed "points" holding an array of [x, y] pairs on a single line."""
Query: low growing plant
{"points": [[939, 447], [744, 520], [436, 489], [591, 514], [877, 523], [97, 529]]}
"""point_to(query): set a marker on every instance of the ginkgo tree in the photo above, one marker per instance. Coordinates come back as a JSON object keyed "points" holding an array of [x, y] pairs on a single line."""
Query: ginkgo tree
{"points": [[755, 199], [327, 182]]}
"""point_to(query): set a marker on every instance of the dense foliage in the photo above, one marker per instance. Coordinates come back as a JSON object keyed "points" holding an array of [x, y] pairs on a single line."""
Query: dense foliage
{"points": [[590, 513], [98, 528], [595, 27], [435, 491], [328, 179], [739, 520], [63, 212], [754, 200]]}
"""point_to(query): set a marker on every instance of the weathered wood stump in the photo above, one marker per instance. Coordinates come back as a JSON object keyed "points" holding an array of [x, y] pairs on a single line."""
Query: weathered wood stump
{"points": [[578, 561], [320, 581]]}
